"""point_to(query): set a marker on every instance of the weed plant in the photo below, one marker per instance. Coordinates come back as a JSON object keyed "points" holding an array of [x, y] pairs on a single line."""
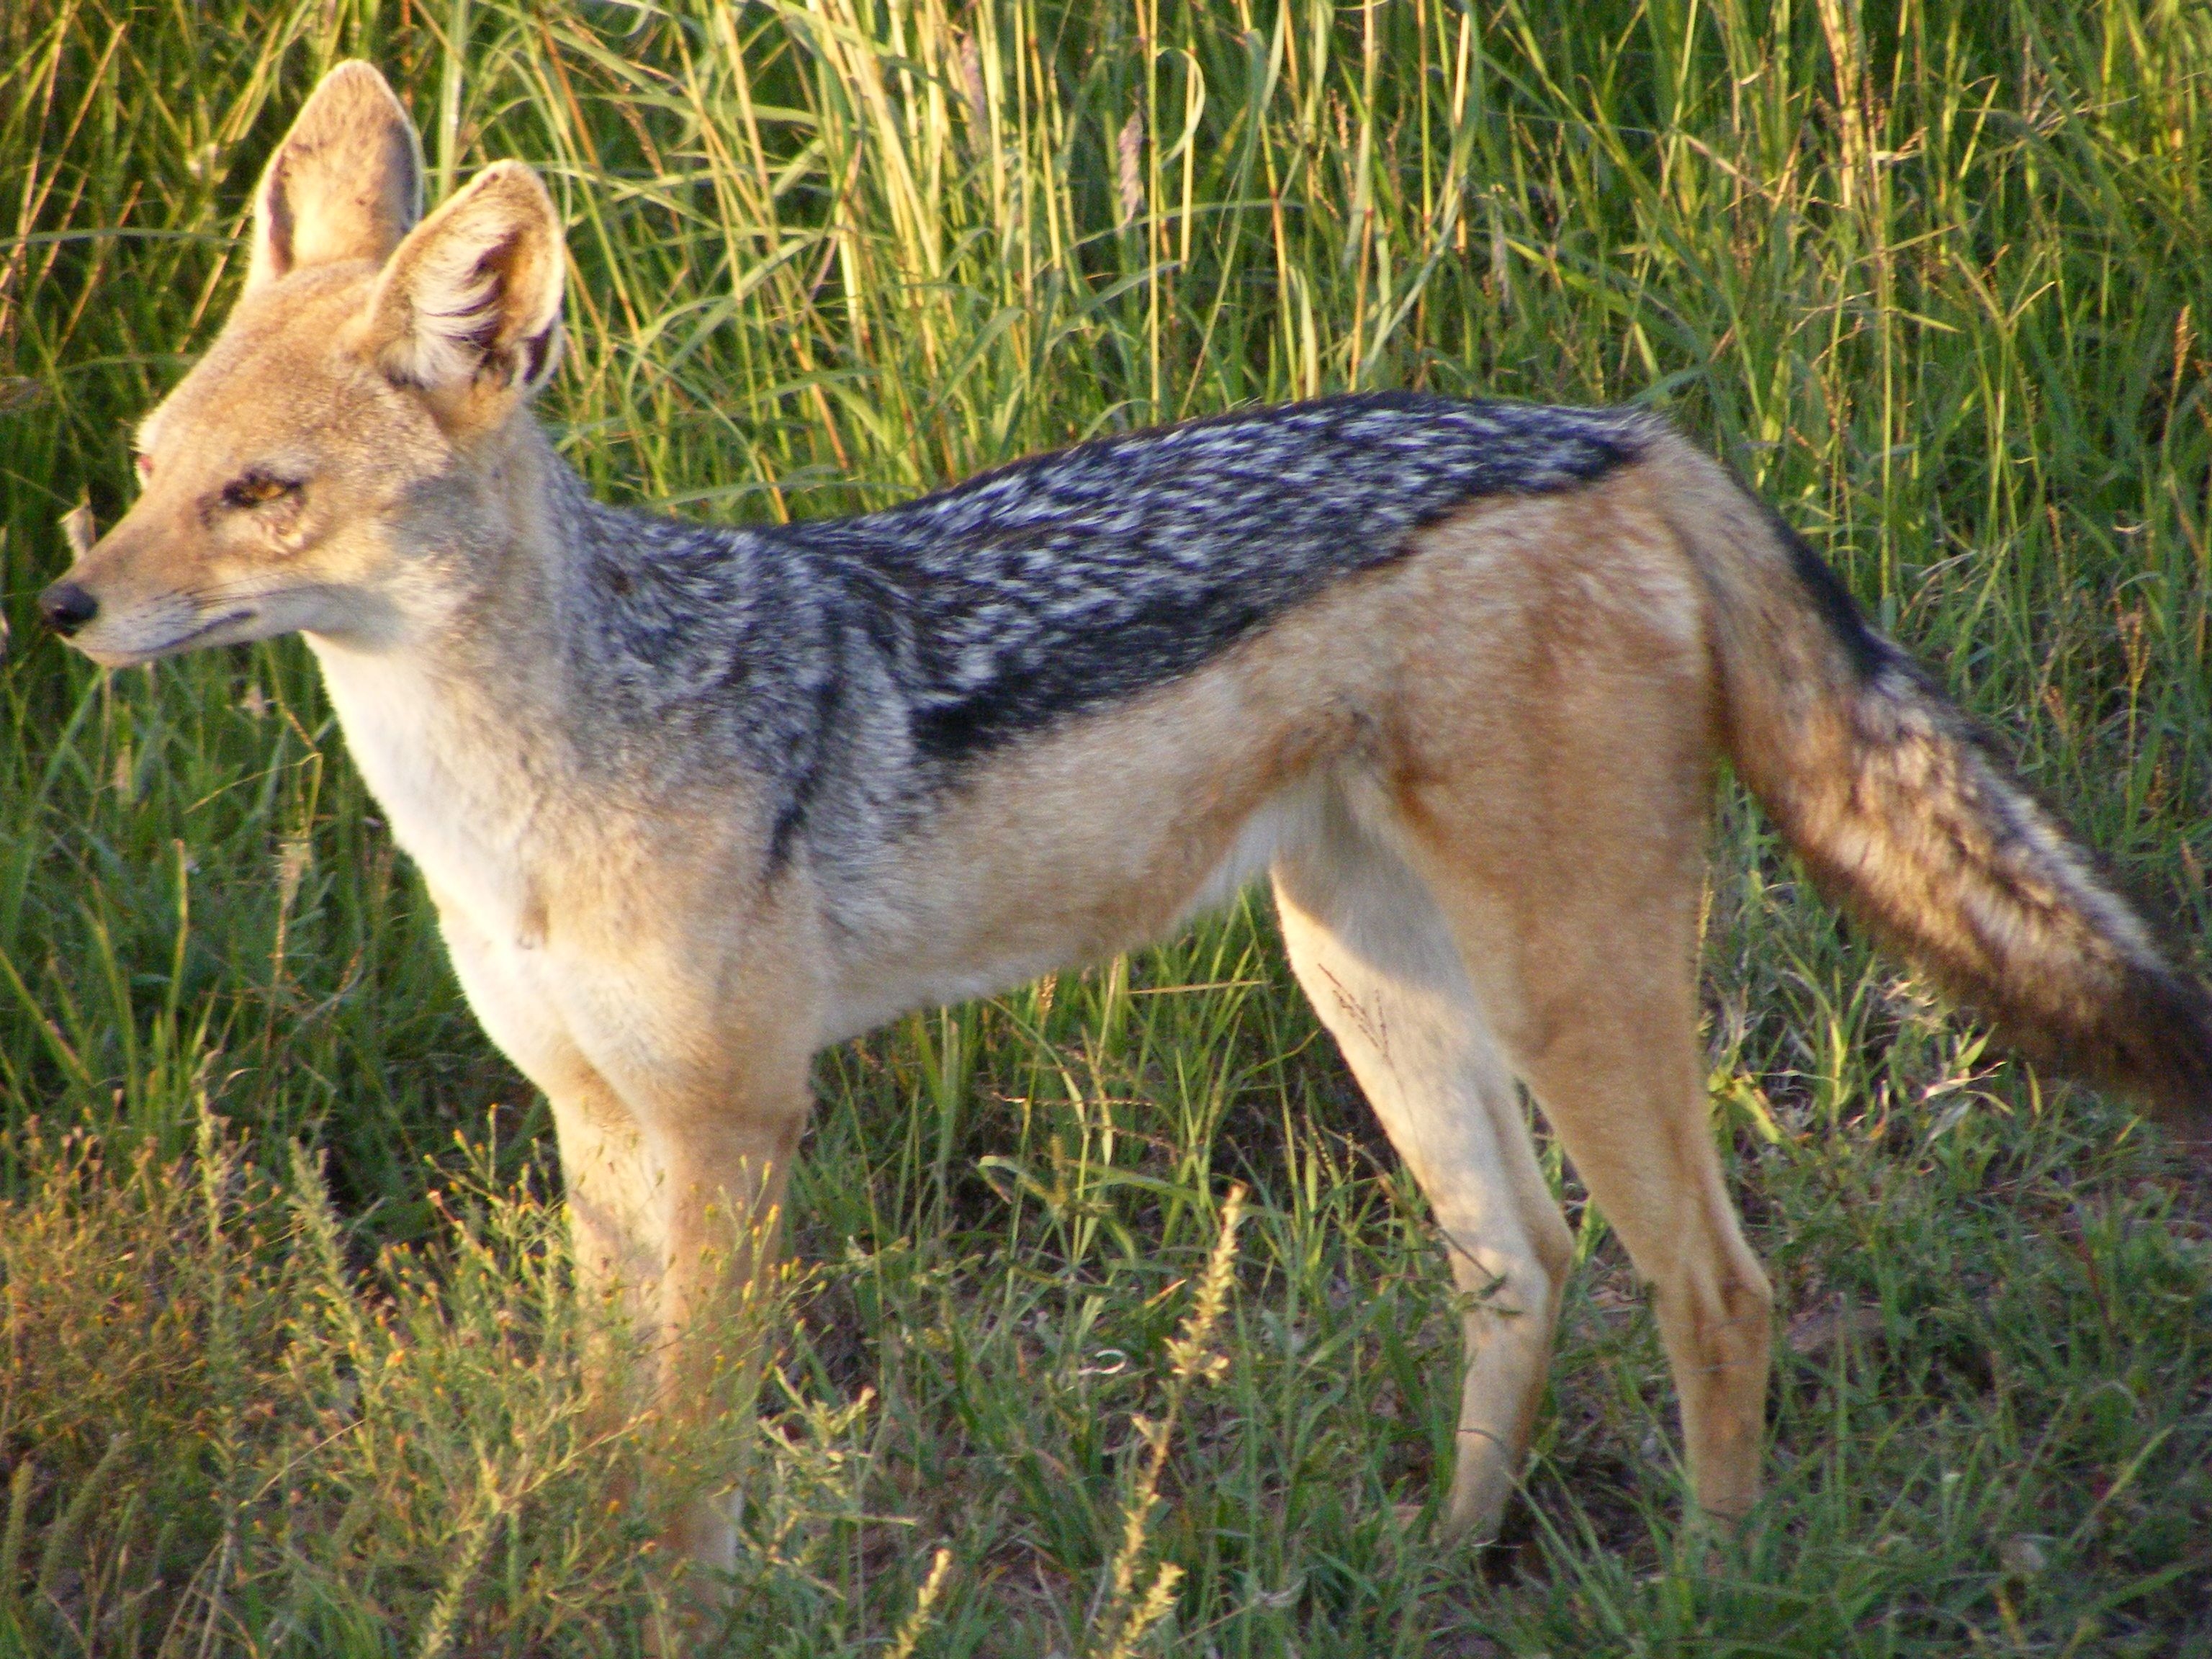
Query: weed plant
{"points": [[289, 1362]]}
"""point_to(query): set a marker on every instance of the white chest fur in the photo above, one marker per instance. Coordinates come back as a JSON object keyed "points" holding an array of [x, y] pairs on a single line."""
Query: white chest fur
{"points": [[452, 778]]}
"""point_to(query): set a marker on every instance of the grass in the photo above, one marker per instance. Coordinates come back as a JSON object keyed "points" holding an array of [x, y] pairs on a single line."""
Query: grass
{"points": [[289, 1370]]}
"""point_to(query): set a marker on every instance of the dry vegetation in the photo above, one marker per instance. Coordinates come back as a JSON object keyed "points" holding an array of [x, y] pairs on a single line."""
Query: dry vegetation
{"points": [[287, 1360]]}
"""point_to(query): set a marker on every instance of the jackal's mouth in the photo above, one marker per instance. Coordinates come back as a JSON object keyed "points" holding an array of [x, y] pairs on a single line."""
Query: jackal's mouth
{"points": [[109, 657], [216, 626]]}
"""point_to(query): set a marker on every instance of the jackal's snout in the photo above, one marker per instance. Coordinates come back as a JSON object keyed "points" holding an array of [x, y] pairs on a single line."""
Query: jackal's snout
{"points": [[66, 607]]}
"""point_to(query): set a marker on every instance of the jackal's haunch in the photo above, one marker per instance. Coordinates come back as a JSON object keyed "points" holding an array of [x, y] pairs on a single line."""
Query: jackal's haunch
{"points": [[694, 802]]}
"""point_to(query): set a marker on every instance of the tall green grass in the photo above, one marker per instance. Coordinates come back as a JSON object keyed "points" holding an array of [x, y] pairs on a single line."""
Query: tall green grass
{"points": [[1931, 274]]}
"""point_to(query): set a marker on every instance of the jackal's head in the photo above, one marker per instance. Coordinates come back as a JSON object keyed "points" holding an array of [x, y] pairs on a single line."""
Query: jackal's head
{"points": [[343, 442]]}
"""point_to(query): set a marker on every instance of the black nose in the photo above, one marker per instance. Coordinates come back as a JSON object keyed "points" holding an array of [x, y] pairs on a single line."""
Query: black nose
{"points": [[67, 607]]}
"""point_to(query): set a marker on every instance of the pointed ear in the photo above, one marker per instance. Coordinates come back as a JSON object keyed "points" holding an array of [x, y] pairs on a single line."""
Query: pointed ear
{"points": [[472, 299], [345, 184]]}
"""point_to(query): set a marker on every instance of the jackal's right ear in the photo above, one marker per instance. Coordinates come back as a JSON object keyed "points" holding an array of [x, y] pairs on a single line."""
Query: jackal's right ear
{"points": [[469, 306], [345, 184]]}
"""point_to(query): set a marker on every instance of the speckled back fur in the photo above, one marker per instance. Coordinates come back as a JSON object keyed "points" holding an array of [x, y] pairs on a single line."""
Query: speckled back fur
{"points": [[930, 633]]}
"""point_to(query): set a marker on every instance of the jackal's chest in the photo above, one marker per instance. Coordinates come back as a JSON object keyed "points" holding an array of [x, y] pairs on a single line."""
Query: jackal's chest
{"points": [[455, 788], [478, 860]]}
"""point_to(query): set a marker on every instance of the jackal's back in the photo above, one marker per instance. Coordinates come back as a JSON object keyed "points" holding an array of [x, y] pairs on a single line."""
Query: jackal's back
{"points": [[1078, 578], [1089, 574], [876, 656]]}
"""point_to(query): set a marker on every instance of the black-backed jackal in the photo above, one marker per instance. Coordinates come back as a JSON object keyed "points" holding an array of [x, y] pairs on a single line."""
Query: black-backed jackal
{"points": [[694, 802]]}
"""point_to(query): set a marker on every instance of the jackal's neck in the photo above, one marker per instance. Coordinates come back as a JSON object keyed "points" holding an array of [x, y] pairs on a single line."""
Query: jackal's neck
{"points": [[461, 717], [474, 611]]}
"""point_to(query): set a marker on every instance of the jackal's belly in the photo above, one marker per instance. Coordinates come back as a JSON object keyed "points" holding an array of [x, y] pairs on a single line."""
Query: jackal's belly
{"points": [[1108, 830], [987, 916]]}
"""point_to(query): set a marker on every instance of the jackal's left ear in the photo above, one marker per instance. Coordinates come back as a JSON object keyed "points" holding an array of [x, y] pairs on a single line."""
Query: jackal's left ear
{"points": [[472, 299], [345, 184]]}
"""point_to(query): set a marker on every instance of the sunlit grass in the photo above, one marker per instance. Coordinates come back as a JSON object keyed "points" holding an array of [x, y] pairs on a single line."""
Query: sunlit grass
{"points": [[1931, 275]]}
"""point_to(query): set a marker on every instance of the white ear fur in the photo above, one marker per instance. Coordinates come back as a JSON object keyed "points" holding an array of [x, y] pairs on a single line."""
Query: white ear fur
{"points": [[346, 183], [473, 294]]}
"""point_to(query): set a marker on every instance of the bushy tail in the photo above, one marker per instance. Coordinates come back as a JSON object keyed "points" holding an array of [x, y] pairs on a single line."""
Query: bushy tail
{"points": [[1905, 814]]}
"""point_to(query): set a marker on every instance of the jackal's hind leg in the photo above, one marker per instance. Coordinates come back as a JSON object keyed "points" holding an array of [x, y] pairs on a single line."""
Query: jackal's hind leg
{"points": [[1551, 787], [1593, 988], [1379, 964], [1630, 1106]]}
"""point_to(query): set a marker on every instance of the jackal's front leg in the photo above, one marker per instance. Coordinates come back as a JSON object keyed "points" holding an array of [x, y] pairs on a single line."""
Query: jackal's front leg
{"points": [[677, 1126], [675, 1207]]}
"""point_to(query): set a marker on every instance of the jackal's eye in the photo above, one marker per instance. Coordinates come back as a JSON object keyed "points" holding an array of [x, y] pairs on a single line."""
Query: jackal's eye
{"points": [[256, 490]]}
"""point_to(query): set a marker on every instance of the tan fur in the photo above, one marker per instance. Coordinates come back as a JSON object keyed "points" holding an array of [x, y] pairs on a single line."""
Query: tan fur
{"points": [[1477, 777]]}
